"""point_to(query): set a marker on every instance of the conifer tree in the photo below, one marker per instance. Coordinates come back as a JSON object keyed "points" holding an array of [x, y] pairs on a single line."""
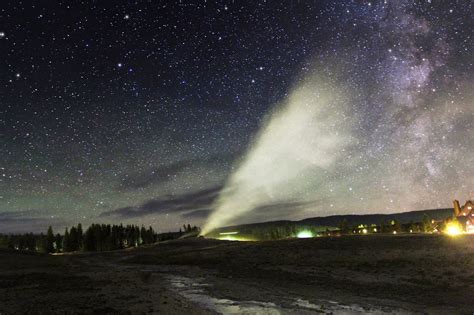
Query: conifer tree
{"points": [[59, 243], [66, 241], [50, 240], [80, 235]]}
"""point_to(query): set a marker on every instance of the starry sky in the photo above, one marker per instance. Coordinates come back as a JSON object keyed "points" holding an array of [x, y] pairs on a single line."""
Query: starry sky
{"points": [[162, 113]]}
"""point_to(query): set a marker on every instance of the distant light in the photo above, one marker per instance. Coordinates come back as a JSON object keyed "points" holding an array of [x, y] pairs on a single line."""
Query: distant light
{"points": [[2, 34], [233, 238], [119, 65], [453, 229], [394, 232], [304, 234], [126, 17], [228, 233], [364, 231]]}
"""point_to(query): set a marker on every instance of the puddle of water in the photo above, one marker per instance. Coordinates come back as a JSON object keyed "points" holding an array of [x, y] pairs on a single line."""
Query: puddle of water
{"points": [[333, 307], [193, 290]]}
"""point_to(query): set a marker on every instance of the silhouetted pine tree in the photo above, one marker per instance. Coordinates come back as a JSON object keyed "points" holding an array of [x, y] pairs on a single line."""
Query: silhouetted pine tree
{"points": [[49, 240], [89, 239], [66, 241], [80, 236], [58, 241]]}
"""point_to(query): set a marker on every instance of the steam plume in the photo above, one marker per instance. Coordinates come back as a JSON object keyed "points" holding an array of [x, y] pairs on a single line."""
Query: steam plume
{"points": [[309, 131]]}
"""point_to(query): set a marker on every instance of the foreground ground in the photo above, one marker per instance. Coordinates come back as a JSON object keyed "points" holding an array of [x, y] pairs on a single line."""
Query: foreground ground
{"points": [[361, 274]]}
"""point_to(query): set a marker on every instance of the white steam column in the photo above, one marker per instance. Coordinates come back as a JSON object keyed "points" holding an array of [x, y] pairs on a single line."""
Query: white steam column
{"points": [[309, 130]]}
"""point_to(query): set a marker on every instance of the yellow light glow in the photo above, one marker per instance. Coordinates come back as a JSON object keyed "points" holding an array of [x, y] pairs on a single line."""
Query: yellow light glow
{"points": [[228, 233], [364, 231], [304, 234], [228, 238], [232, 238], [453, 228]]}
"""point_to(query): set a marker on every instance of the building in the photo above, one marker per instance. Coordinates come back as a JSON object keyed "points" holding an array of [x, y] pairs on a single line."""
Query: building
{"points": [[466, 212]]}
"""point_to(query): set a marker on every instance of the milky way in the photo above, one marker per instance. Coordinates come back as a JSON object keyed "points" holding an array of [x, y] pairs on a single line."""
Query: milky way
{"points": [[162, 114]]}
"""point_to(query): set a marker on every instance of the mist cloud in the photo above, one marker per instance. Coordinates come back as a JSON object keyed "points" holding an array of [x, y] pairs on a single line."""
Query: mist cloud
{"points": [[309, 132]]}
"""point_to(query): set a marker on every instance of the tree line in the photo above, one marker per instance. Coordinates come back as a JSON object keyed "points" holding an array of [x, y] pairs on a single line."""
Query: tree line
{"points": [[97, 237]]}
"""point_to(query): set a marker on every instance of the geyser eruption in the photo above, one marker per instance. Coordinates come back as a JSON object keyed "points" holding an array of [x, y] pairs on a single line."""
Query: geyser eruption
{"points": [[308, 132]]}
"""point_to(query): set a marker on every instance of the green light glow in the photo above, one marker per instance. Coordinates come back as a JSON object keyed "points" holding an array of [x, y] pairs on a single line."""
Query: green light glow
{"points": [[304, 234]]}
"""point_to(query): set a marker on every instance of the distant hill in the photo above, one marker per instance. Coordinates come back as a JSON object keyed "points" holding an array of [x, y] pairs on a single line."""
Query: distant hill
{"points": [[403, 217], [318, 224]]}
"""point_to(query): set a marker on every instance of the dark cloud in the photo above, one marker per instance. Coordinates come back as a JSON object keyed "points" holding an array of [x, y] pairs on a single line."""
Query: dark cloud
{"points": [[197, 200], [27, 221], [197, 214], [197, 205], [155, 176], [277, 210], [13, 215], [284, 206], [265, 212], [165, 173]]}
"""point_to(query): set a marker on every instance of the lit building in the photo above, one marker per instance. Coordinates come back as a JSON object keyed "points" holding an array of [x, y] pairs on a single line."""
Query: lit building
{"points": [[466, 212]]}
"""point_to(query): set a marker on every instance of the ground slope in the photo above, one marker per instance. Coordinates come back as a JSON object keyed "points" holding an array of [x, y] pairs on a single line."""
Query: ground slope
{"points": [[373, 273]]}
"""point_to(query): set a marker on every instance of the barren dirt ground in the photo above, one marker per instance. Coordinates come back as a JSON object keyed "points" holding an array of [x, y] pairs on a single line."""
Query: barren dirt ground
{"points": [[360, 274]]}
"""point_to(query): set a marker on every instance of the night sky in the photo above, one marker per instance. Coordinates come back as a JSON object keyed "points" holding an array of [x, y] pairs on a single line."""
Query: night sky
{"points": [[156, 113]]}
